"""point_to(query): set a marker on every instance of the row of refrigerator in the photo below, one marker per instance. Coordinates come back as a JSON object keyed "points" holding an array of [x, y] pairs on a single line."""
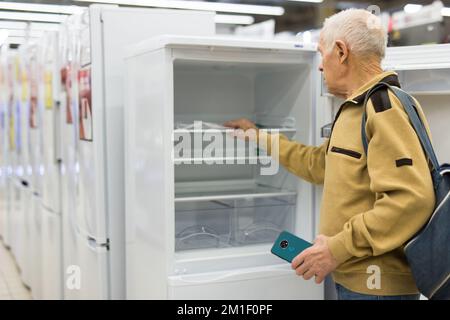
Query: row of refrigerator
{"points": [[107, 191], [62, 197]]}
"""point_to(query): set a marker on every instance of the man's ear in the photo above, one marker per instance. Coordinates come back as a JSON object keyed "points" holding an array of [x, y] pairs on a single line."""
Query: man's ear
{"points": [[342, 50]]}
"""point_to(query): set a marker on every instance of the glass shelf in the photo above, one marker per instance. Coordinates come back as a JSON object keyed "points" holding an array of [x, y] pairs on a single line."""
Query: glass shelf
{"points": [[226, 192], [224, 160]]}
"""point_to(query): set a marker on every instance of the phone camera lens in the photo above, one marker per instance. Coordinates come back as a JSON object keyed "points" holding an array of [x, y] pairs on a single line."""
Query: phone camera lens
{"points": [[284, 244]]}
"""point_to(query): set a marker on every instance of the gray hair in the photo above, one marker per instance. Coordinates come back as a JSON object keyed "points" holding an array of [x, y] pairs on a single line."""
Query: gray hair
{"points": [[359, 29]]}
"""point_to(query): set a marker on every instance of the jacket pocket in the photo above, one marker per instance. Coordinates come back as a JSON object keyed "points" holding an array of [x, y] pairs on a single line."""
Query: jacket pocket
{"points": [[347, 152]]}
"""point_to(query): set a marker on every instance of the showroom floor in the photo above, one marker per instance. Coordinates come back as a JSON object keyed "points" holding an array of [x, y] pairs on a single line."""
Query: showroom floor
{"points": [[11, 286]]}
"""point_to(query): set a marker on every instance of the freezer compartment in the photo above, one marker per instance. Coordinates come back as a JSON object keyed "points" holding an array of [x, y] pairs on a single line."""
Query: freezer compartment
{"points": [[52, 285], [36, 249], [227, 217], [209, 93]]}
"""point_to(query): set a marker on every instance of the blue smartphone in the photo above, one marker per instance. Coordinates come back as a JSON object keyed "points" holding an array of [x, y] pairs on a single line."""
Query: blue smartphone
{"points": [[288, 246]]}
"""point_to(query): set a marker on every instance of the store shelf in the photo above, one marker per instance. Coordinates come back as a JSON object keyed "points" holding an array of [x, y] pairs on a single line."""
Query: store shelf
{"points": [[230, 131]]}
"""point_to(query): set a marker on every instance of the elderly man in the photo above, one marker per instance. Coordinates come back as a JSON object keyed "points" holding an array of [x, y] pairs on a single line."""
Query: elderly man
{"points": [[371, 204]]}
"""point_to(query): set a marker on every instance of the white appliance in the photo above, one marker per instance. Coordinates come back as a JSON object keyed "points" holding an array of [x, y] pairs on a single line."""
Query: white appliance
{"points": [[198, 231], [4, 134], [92, 140], [52, 277], [424, 72], [23, 224], [35, 141], [186, 224]]}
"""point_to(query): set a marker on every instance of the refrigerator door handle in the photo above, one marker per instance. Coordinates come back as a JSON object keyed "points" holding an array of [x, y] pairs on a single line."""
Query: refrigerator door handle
{"points": [[242, 274]]}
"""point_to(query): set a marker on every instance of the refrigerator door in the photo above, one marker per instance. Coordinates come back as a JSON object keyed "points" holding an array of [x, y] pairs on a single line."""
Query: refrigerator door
{"points": [[70, 261], [8, 212], [28, 265], [101, 107], [49, 84], [85, 261], [35, 127], [36, 248], [16, 214], [89, 278], [266, 283], [51, 255]]}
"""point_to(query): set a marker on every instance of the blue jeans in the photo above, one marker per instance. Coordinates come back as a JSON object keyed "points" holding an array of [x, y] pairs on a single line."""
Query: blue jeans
{"points": [[345, 294]]}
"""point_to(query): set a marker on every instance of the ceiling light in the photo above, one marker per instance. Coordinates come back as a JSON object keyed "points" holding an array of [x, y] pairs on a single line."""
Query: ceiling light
{"points": [[24, 16], [412, 8], [48, 8], [234, 19], [199, 5]]}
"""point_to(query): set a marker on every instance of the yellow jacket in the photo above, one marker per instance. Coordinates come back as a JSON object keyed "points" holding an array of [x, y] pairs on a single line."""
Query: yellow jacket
{"points": [[371, 205]]}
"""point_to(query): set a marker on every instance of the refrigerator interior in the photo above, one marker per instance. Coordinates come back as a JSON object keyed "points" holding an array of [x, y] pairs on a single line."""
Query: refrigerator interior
{"points": [[234, 207]]}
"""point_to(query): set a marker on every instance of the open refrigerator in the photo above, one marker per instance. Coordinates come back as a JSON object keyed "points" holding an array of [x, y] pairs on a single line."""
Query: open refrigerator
{"points": [[91, 122], [198, 230]]}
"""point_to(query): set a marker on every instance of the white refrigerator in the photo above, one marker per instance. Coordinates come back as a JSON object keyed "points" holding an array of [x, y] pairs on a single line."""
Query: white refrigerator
{"points": [[4, 89], [92, 140], [48, 91], [199, 231], [23, 225], [35, 146]]}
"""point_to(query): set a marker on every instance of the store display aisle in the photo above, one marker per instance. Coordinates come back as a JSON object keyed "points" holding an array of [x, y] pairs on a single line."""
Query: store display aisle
{"points": [[11, 287]]}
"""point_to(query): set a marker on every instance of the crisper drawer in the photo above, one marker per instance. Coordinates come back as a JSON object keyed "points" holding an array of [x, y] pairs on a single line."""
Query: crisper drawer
{"points": [[232, 222], [260, 220], [205, 224]]}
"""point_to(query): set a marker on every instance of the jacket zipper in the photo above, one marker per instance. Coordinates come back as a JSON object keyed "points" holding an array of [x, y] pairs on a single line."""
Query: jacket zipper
{"points": [[347, 152]]}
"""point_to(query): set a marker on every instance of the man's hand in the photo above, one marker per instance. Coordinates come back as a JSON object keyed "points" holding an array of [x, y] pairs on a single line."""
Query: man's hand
{"points": [[243, 124], [243, 129], [315, 261]]}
